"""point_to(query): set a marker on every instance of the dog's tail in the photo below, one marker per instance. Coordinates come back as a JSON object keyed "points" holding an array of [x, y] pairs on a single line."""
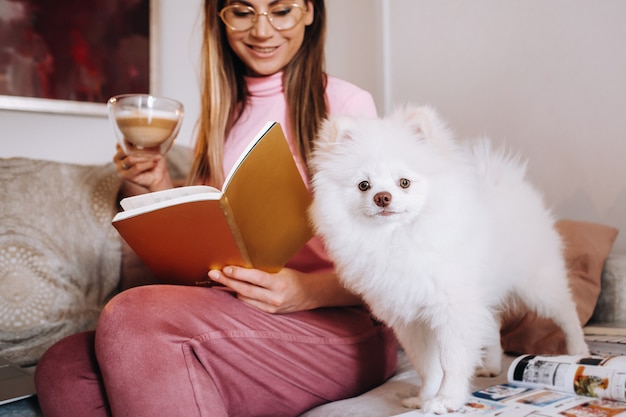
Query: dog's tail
{"points": [[497, 164]]}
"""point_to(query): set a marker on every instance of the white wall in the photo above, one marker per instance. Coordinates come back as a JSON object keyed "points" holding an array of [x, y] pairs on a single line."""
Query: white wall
{"points": [[179, 56], [545, 77], [354, 44]]}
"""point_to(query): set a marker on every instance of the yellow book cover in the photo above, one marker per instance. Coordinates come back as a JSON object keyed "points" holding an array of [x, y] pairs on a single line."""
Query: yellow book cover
{"points": [[259, 219]]}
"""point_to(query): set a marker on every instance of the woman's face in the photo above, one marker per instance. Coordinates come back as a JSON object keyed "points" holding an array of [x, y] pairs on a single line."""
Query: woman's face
{"points": [[262, 48]]}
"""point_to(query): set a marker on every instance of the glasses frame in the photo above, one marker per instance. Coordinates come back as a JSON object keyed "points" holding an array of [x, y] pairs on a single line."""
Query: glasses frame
{"points": [[266, 13]]}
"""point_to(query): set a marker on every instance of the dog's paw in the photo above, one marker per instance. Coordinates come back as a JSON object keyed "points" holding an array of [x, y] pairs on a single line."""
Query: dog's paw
{"points": [[488, 372], [491, 361], [490, 367], [436, 405], [442, 405]]}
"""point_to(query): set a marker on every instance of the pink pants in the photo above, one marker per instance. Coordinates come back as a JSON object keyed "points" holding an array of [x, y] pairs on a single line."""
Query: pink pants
{"points": [[183, 351]]}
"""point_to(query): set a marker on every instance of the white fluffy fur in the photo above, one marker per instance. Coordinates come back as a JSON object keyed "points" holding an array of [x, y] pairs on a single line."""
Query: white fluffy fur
{"points": [[438, 262]]}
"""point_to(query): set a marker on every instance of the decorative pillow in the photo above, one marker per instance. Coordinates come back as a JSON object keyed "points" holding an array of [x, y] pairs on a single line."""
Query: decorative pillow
{"points": [[587, 246], [59, 255]]}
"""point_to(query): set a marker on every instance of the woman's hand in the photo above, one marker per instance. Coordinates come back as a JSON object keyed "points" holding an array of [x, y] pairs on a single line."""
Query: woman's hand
{"points": [[286, 291], [142, 174]]}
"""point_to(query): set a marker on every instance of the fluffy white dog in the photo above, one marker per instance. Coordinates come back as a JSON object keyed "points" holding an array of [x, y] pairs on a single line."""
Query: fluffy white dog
{"points": [[436, 237]]}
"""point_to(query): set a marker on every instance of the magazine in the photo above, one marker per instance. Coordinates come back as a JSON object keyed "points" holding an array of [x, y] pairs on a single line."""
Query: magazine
{"points": [[553, 385]]}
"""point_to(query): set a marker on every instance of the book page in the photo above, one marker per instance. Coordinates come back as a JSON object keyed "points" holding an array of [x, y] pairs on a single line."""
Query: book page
{"points": [[142, 200], [173, 202]]}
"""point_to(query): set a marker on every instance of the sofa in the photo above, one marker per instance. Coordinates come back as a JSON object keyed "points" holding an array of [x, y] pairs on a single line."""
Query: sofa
{"points": [[61, 261]]}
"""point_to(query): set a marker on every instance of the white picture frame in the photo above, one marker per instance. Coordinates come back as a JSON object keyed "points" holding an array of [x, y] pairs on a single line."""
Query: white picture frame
{"points": [[84, 106]]}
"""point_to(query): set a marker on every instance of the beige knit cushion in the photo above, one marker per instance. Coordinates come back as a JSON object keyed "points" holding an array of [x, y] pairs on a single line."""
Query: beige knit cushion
{"points": [[59, 255]]}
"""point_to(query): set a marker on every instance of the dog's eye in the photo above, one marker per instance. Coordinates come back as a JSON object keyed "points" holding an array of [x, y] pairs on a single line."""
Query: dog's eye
{"points": [[364, 185], [404, 183]]}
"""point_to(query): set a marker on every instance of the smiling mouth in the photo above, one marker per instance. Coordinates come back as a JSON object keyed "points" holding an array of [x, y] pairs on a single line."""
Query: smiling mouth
{"points": [[264, 50]]}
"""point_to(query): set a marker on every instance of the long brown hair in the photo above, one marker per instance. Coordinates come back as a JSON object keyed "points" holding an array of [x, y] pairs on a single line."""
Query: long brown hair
{"points": [[224, 91]]}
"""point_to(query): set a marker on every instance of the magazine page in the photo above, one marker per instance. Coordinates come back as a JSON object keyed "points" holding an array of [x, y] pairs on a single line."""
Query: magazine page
{"points": [[591, 376], [511, 400], [518, 401]]}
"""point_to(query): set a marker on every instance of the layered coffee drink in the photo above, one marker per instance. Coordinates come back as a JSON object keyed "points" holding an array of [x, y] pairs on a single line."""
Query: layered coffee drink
{"points": [[147, 132], [145, 124]]}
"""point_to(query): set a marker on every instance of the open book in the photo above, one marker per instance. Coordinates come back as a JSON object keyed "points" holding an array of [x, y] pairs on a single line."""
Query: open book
{"points": [[259, 219], [554, 385]]}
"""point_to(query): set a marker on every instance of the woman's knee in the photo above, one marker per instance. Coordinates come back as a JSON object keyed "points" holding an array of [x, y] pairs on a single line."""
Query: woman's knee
{"points": [[69, 355], [66, 371], [123, 315], [135, 318], [164, 308]]}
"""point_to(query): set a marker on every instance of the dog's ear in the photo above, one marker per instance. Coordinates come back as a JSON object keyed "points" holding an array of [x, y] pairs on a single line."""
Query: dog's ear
{"points": [[336, 129], [424, 122]]}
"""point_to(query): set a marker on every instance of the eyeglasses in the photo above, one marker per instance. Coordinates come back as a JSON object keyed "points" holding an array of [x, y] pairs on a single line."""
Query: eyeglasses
{"points": [[281, 16]]}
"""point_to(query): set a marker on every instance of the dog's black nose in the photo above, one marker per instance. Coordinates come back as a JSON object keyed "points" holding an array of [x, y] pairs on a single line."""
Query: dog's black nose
{"points": [[382, 199]]}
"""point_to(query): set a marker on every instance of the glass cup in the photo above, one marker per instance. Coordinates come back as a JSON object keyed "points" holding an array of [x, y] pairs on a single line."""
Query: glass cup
{"points": [[145, 125]]}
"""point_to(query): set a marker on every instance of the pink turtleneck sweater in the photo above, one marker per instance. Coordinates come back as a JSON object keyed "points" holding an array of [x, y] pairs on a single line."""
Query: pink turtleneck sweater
{"points": [[267, 103]]}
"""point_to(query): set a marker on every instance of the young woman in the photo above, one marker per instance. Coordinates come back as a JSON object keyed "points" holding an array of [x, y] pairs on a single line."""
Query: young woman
{"points": [[274, 344]]}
